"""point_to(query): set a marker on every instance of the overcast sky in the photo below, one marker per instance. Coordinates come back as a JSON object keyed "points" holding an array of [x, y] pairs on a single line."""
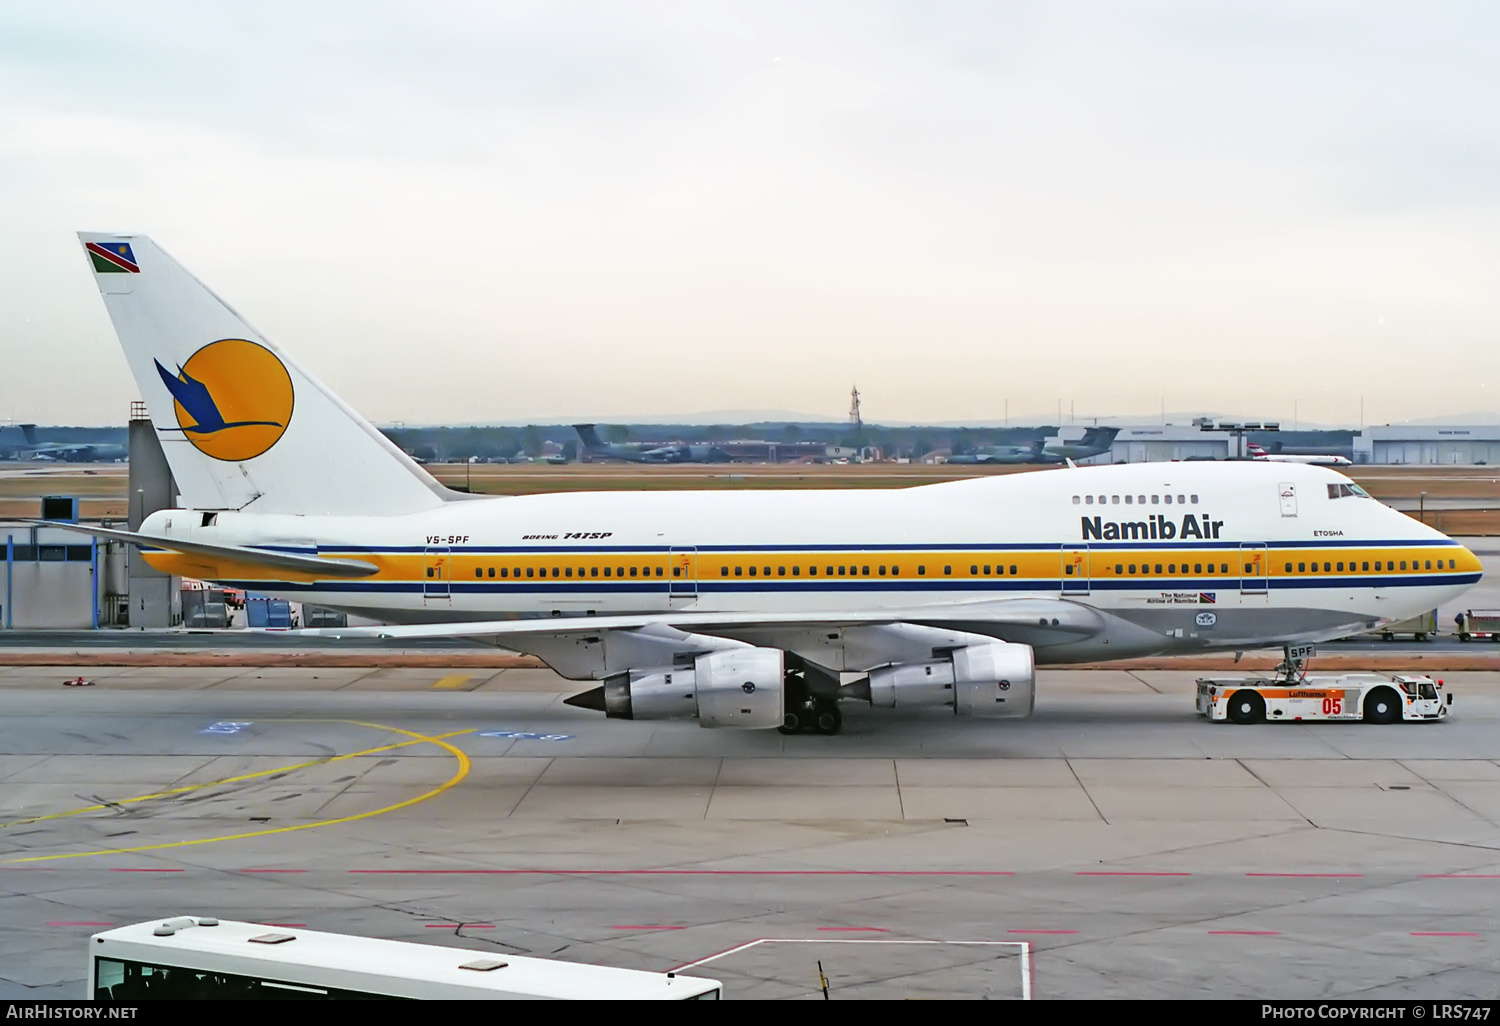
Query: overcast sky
{"points": [[504, 211]]}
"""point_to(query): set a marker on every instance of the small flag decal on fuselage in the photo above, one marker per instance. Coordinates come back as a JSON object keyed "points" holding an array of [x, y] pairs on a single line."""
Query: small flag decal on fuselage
{"points": [[112, 258], [1207, 598]]}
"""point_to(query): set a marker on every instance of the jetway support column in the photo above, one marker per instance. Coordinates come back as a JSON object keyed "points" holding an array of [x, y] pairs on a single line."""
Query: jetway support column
{"points": [[155, 597]]}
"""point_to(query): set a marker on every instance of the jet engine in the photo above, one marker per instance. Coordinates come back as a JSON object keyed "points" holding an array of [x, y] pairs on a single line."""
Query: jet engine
{"points": [[994, 680], [739, 687]]}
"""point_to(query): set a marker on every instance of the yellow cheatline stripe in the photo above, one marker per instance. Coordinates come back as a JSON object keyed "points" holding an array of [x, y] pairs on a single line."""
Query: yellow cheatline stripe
{"points": [[453, 680], [453, 781]]}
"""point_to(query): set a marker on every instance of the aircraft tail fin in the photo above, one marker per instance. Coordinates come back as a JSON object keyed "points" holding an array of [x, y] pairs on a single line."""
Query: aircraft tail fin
{"points": [[28, 431], [242, 425], [588, 436]]}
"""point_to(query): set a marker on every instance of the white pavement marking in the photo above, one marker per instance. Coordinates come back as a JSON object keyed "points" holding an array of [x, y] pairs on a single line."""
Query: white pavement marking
{"points": [[1023, 948]]}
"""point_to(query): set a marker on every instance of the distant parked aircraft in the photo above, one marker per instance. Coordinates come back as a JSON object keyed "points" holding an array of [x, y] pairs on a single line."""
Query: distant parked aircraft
{"points": [[1317, 459], [66, 452], [1095, 441], [647, 452]]}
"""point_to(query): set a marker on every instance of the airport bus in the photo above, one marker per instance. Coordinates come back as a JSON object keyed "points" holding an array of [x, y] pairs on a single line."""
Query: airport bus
{"points": [[202, 958]]}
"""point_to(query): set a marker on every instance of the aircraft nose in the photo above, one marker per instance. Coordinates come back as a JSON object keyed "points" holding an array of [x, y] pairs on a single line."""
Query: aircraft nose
{"points": [[1469, 561]]}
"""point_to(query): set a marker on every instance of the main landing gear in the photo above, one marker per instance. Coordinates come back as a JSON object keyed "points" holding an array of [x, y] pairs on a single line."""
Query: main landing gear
{"points": [[807, 713], [813, 716]]}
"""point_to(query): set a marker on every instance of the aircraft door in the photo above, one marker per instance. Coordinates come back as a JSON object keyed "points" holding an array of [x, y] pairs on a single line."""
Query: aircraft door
{"points": [[1288, 492], [1254, 570], [1075, 571], [682, 576], [436, 585]]}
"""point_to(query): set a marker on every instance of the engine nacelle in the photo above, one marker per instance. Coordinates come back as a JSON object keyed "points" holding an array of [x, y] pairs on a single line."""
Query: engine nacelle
{"points": [[740, 687], [995, 680], [658, 693]]}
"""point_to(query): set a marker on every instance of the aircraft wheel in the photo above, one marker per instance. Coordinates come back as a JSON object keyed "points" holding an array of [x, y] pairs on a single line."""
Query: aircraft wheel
{"points": [[1382, 706], [799, 706], [826, 717], [1246, 707]]}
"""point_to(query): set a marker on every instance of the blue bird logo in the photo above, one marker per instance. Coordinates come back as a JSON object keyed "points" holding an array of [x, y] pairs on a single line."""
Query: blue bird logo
{"points": [[193, 397], [233, 398]]}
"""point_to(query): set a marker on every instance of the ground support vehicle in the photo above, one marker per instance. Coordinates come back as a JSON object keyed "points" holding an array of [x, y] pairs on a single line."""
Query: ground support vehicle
{"points": [[205, 958], [1371, 697], [1480, 624], [1422, 628]]}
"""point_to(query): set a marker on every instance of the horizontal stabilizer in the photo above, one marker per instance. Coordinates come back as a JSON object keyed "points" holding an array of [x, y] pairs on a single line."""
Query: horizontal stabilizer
{"points": [[233, 553]]}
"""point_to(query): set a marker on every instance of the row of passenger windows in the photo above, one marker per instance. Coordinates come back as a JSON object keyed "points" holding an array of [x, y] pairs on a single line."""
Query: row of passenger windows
{"points": [[1134, 500], [975, 570], [1171, 568], [1364, 566], [566, 571]]}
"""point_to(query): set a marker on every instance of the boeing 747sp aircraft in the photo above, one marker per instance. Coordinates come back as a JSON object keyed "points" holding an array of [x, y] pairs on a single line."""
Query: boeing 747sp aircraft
{"points": [[742, 609]]}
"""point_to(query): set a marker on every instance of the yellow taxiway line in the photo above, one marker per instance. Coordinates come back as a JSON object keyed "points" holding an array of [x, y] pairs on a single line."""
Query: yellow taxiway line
{"points": [[438, 740]]}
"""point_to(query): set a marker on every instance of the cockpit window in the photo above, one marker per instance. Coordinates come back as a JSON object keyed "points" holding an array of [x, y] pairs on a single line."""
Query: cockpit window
{"points": [[1338, 491]]}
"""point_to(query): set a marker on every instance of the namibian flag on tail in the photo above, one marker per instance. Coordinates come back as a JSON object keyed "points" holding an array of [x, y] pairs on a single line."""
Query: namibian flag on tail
{"points": [[112, 257]]}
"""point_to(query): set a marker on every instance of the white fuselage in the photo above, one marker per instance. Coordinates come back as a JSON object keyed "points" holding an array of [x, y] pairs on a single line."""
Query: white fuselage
{"points": [[1189, 555]]}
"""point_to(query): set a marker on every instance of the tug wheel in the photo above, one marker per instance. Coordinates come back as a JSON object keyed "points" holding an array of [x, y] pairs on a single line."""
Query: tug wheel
{"points": [[1246, 707], [1382, 706]]}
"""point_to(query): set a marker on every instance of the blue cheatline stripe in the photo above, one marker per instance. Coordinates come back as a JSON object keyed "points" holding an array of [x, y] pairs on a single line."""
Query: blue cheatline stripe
{"points": [[1411, 581], [539, 588], [520, 550]]}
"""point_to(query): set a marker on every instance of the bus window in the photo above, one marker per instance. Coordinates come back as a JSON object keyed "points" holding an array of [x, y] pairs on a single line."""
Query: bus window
{"points": [[118, 980]]}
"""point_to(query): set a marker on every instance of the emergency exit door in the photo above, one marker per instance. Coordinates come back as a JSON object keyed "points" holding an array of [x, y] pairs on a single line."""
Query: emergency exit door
{"points": [[1075, 571], [682, 576], [436, 588], [1254, 570]]}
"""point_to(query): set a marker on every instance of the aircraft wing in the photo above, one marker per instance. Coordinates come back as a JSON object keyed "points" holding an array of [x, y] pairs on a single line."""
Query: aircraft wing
{"points": [[268, 558], [1052, 614]]}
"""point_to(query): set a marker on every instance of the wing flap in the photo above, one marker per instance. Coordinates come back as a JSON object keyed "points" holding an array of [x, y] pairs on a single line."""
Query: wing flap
{"points": [[1054, 614]]}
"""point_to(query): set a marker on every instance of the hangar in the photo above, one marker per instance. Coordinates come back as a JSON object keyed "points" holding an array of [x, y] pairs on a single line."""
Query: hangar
{"points": [[1162, 442], [1426, 444]]}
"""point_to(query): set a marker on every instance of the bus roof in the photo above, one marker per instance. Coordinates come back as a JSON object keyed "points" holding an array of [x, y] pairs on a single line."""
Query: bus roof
{"points": [[395, 968]]}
